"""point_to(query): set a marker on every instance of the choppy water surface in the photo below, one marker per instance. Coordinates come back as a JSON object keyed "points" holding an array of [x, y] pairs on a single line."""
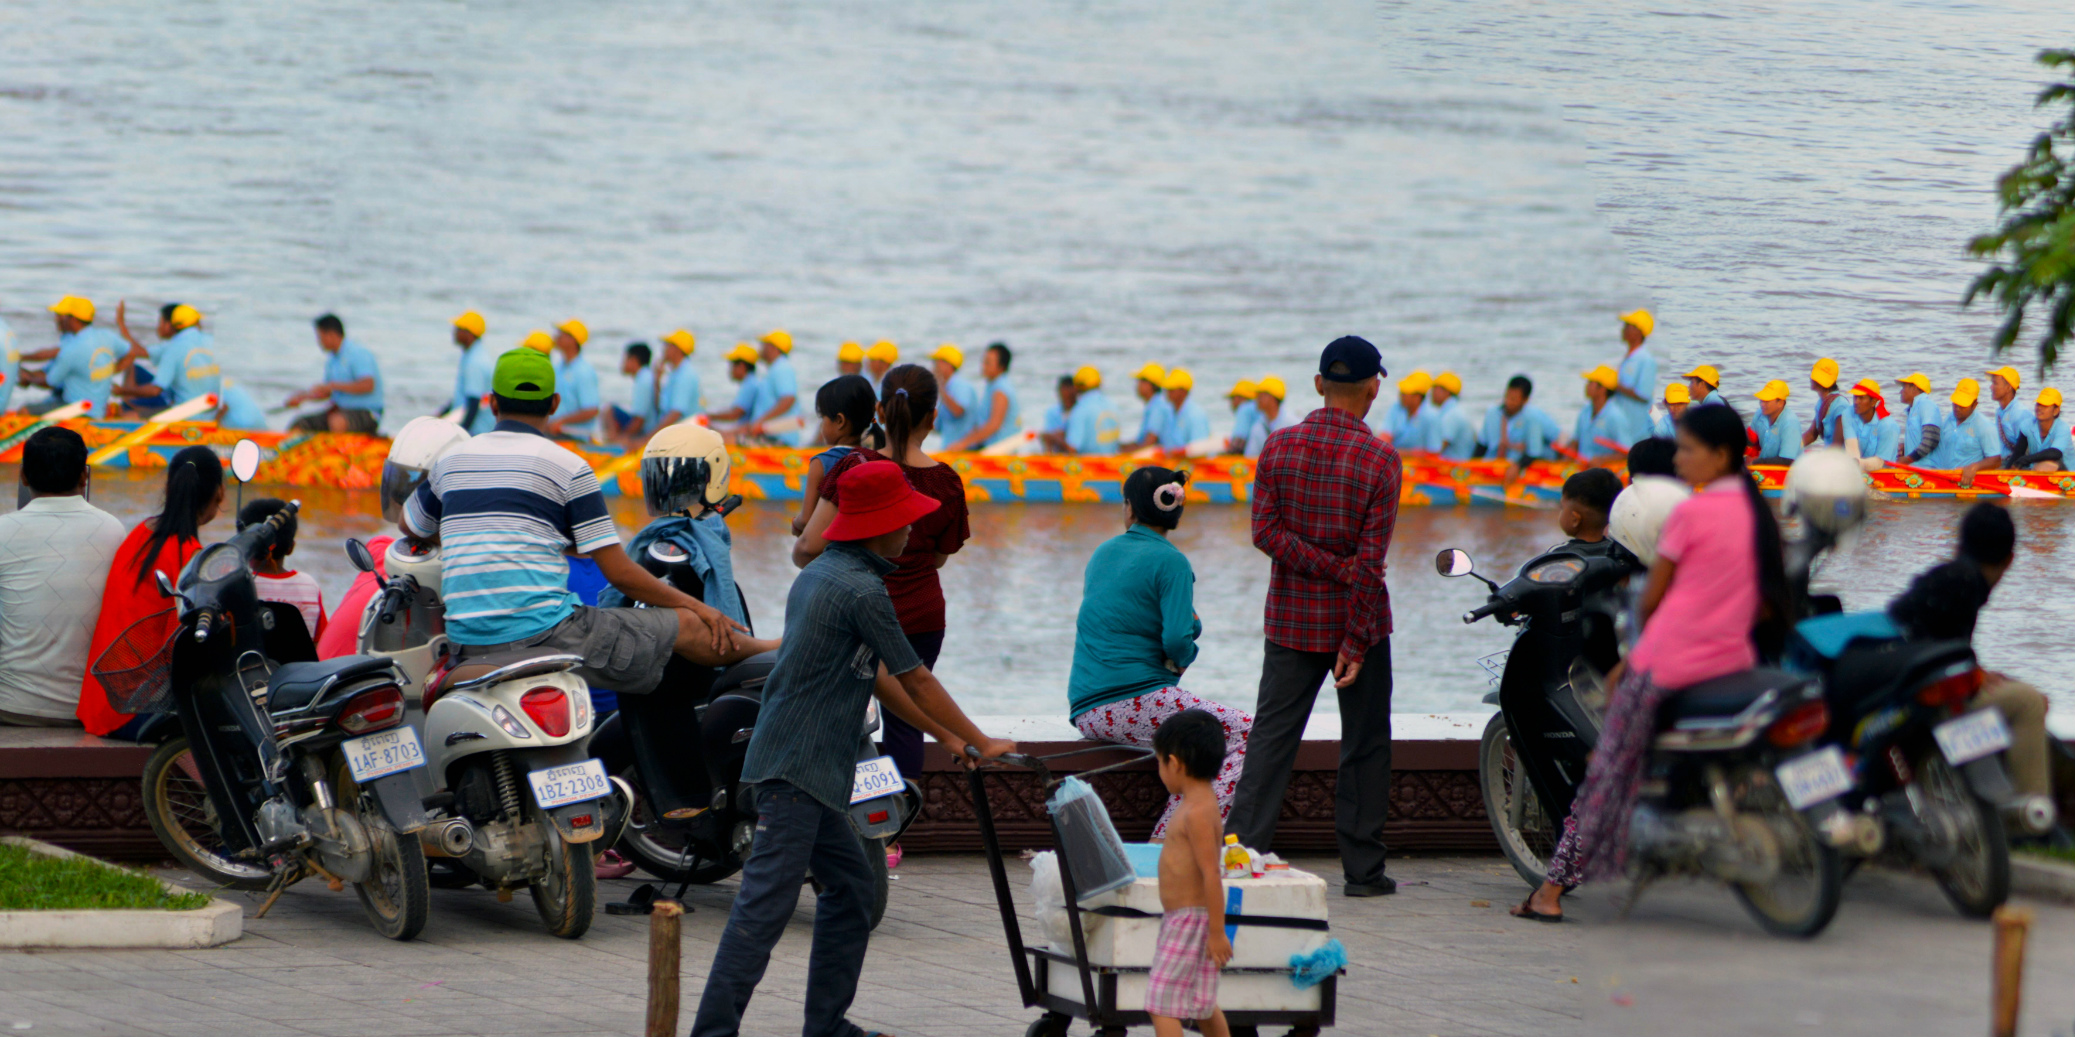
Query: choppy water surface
{"points": [[1227, 185]]}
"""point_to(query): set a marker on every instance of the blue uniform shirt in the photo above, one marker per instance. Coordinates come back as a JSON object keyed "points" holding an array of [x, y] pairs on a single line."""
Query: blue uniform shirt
{"points": [[1965, 442], [1243, 419], [1408, 431], [1158, 414], [1611, 423], [1092, 427], [472, 382], [1055, 419], [642, 403], [576, 381], [2012, 420], [1833, 419], [746, 395], [1186, 426], [1011, 421], [1530, 431], [1922, 411], [84, 368], [2055, 438], [186, 366], [1880, 439], [1781, 438], [239, 410], [776, 383], [1454, 437], [351, 363], [681, 392], [967, 396], [10, 364], [1638, 371]]}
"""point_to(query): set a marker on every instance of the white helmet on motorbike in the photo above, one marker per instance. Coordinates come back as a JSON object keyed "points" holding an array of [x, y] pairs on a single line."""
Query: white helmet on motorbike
{"points": [[1828, 490], [1640, 511], [411, 456], [684, 467]]}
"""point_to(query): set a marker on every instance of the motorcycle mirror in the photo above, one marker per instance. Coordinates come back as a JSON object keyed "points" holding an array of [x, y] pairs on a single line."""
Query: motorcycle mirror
{"points": [[359, 555], [1454, 562], [165, 585], [245, 460]]}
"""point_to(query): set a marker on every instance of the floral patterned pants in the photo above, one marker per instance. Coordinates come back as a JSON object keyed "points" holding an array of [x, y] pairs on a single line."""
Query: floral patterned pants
{"points": [[1595, 836], [1132, 722]]}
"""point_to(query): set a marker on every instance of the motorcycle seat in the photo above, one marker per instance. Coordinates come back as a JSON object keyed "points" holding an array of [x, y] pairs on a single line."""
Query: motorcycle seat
{"points": [[1724, 696], [1866, 672], [477, 664], [295, 685]]}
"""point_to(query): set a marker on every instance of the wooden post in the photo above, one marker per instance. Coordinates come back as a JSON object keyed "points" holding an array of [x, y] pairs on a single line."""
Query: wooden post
{"points": [[663, 948], [2012, 924]]}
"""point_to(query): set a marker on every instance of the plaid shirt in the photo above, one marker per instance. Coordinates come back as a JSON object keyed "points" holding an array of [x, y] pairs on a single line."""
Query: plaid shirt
{"points": [[1325, 502]]}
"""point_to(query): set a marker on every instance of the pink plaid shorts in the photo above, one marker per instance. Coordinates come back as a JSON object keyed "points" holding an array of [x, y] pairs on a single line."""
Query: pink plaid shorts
{"points": [[1184, 983]]}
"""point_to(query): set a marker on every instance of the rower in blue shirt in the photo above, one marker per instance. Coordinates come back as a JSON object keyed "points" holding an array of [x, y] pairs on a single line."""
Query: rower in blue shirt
{"points": [[1972, 442], [958, 400], [1676, 399], [236, 409], [1870, 430], [1637, 375], [1052, 429], [1827, 426], [83, 364], [1704, 385], [1922, 418], [352, 385], [1152, 381], [1091, 428], [1602, 430], [1186, 423], [1451, 433], [2010, 418], [742, 370], [1779, 435], [1000, 414], [1406, 424], [1517, 430], [637, 420], [2046, 446], [778, 391], [183, 361], [10, 364], [576, 383], [472, 375], [678, 398], [1244, 413]]}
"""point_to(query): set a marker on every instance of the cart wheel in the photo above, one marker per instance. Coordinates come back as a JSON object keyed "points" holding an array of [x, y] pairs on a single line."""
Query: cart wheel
{"points": [[1303, 1031], [1051, 1024], [1246, 1031]]}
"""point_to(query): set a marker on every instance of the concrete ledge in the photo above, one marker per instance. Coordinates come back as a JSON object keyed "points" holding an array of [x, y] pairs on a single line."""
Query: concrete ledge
{"points": [[2039, 877], [219, 923]]}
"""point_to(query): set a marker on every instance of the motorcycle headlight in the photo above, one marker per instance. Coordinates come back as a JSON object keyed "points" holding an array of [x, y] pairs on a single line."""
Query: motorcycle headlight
{"points": [[1556, 570], [219, 563]]}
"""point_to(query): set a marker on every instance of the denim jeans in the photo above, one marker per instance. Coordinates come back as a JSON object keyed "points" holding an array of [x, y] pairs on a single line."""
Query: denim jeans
{"points": [[794, 832]]}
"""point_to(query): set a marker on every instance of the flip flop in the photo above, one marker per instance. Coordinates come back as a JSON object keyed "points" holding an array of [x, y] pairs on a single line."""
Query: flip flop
{"points": [[1527, 910]]}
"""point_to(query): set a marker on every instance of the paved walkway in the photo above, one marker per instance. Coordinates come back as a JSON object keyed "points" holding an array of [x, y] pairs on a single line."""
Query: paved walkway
{"points": [[1440, 958]]}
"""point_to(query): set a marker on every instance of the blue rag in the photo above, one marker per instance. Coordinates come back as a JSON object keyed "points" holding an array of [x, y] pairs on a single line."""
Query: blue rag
{"points": [[1309, 970]]}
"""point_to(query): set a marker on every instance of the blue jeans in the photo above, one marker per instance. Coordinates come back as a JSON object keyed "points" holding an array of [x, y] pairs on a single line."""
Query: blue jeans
{"points": [[794, 832]]}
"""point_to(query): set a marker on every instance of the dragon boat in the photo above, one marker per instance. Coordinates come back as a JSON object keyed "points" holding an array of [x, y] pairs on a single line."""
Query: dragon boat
{"points": [[774, 473]]}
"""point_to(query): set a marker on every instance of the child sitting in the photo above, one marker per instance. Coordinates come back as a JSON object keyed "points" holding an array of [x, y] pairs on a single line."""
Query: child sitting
{"points": [[276, 582], [847, 409], [1587, 498], [1192, 947]]}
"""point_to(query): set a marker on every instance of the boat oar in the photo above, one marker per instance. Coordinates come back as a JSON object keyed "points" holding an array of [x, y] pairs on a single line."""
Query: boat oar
{"points": [[177, 412], [1497, 496], [51, 417], [1011, 446]]}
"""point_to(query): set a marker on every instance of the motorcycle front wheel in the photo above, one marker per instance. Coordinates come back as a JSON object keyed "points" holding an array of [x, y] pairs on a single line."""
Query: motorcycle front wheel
{"points": [[1523, 829], [1978, 879], [1802, 896], [567, 895], [397, 895], [177, 805], [661, 851]]}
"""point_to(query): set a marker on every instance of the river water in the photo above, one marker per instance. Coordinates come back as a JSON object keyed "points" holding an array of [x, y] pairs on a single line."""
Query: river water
{"points": [[1476, 186]]}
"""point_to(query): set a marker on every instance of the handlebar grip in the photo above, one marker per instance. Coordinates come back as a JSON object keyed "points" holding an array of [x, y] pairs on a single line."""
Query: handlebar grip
{"points": [[1482, 611], [202, 626]]}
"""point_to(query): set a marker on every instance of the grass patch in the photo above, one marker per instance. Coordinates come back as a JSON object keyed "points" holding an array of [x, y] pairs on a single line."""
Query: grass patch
{"points": [[33, 882], [2057, 854]]}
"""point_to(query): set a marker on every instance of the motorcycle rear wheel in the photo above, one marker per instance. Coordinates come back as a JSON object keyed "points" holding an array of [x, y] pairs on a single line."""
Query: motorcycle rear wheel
{"points": [[1802, 898], [1523, 828], [882, 877], [1978, 882], [660, 851], [177, 805], [397, 895], [567, 896]]}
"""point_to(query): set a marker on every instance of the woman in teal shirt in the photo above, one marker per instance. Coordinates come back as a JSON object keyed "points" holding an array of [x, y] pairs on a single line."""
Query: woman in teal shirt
{"points": [[1136, 634]]}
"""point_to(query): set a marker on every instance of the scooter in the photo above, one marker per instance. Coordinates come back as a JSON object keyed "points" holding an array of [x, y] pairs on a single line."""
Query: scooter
{"points": [[1723, 793], [521, 796], [281, 771]]}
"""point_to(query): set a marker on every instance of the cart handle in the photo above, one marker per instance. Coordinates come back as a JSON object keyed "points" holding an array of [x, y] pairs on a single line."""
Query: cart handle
{"points": [[1137, 754]]}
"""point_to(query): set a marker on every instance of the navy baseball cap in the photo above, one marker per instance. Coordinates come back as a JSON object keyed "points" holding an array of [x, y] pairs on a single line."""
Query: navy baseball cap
{"points": [[1361, 360]]}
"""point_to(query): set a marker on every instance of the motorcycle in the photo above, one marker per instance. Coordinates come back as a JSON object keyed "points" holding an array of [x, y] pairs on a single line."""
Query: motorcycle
{"points": [[281, 770], [1724, 794], [521, 797]]}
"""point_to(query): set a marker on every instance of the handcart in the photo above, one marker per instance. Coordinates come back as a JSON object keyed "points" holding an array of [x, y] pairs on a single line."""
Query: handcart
{"points": [[1098, 983]]}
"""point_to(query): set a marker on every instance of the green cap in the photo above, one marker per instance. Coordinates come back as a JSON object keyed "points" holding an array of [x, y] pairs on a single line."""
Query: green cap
{"points": [[524, 374]]}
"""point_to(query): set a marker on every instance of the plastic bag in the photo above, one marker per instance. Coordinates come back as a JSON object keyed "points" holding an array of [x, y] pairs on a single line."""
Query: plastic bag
{"points": [[1088, 841]]}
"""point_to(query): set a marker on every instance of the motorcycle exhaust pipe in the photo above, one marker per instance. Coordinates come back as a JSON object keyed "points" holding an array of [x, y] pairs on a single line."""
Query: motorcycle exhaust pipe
{"points": [[453, 837], [2035, 815]]}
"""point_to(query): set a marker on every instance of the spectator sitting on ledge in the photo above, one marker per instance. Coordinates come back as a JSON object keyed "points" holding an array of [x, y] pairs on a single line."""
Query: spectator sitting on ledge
{"points": [[54, 557]]}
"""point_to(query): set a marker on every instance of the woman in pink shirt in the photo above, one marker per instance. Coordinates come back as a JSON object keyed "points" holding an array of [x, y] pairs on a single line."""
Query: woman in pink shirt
{"points": [[1715, 600]]}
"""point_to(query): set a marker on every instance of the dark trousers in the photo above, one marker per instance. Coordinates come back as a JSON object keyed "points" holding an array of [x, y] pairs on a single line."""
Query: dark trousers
{"points": [[1290, 681], [898, 738], [794, 832]]}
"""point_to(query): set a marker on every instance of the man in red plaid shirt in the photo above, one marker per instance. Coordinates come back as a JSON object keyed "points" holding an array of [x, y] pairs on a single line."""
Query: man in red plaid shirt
{"points": [[1325, 500]]}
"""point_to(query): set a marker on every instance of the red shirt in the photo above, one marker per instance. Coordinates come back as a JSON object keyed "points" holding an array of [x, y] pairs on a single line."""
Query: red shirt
{"points": [[918, 597], [1325, 501], [124, 601]]}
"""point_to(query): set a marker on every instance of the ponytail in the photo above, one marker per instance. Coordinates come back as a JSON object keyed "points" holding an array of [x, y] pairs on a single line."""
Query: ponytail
{"points": [[1721, 428], [193, 479], [908, 400]]}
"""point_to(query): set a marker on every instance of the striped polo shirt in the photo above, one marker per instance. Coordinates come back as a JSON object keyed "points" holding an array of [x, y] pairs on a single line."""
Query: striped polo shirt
{"points": [[508, 506]]}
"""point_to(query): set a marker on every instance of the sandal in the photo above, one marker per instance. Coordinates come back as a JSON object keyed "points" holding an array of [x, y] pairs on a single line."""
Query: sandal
{"points": [[1527, 910], [893, 856]]}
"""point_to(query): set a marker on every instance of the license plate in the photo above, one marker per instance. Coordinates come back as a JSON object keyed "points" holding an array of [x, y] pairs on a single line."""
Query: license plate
{"points": [[377, 755], [875, 778], [569, 783], [1811, 779], [1966, 739]]}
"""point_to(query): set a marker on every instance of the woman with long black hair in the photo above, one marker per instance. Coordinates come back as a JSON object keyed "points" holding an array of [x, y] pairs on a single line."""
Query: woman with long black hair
{"points": [[1716, 602], [165, 541]]}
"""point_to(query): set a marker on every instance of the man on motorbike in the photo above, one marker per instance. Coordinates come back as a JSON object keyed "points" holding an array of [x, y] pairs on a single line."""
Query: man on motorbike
{"points": [[1943, 602], [506, 507]]}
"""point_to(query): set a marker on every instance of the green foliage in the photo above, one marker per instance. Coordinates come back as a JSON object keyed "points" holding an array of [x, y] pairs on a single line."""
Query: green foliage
{"points": [[2034, 249], [32, 882]]}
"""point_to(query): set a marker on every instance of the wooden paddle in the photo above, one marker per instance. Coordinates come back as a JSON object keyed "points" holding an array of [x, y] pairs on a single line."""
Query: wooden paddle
{"points": [[177, 412], [1011, 446], [52, 417]]}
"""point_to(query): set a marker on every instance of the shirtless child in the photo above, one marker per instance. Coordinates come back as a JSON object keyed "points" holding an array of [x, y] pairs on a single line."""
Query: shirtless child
{"points": [[1192, 947]]}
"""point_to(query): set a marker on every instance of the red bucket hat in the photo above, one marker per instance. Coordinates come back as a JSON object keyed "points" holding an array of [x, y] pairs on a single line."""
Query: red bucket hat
{"points": [[876, 499]]}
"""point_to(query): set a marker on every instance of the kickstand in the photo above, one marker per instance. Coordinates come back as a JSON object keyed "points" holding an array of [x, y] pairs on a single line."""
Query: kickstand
{"points": [[286, 877], [643, 900]]}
